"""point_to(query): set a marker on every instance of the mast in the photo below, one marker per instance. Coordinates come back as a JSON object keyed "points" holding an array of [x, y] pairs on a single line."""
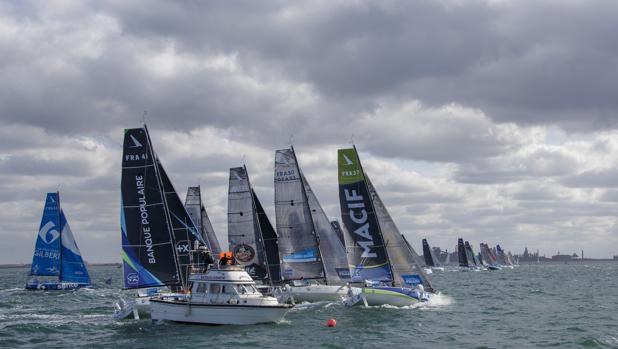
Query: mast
{"points": [[315, 233], [390, 267], [60, 238], [167, 217]]}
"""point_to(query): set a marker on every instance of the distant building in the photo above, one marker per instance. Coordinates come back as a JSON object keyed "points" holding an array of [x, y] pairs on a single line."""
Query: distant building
{"points": [[563, 257]]}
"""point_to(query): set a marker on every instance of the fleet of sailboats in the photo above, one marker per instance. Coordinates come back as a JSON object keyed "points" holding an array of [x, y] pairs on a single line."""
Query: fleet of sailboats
{"points": [[173, 259]]}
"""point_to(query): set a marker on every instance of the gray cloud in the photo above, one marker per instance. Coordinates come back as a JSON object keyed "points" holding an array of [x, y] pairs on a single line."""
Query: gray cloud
{"points": [[454, 105]]}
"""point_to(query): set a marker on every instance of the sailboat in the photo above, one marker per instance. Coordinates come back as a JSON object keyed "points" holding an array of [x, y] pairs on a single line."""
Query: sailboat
{"points": [[472, 260], [313, 257], [488, 257], [252, 239], [383, 263], [197, 213], [502, 258], [56, 253], [464, 261], [431, 261], [157, 232]]}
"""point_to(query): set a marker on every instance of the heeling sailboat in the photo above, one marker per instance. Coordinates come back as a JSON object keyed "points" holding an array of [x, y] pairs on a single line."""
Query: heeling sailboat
{"points": [[432, 263], [309, 246], [489, 258], [157, 232], [197, 212], [379, 254], [252, 239], [462, 254], [56, 252], [502, 258], [472, 260]]}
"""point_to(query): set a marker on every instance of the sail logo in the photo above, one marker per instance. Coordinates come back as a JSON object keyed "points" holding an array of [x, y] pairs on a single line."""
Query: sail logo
{"points": [[182, 247], [136, 143], [238, 178], [358, 215], [347, 160], [133, 279], [47, 234], [145, 223], [134, 157], [287, 175], [243, 253]]}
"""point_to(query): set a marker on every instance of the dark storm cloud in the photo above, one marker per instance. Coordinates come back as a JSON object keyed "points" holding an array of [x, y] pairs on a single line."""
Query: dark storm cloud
{"points": [[541, 62], [533, 62]]}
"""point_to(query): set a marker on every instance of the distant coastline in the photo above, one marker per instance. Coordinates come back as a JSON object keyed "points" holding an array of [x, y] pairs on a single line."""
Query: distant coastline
{"points": [[27, 265]]}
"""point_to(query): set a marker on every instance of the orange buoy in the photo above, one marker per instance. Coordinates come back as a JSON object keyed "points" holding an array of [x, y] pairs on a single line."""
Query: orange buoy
{"points": [[331, 323]]}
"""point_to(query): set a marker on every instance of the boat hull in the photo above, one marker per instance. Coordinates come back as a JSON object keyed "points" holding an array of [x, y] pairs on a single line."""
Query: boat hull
{"points": [[318, 293], [391, 296], [211, 314], [55, 286]]}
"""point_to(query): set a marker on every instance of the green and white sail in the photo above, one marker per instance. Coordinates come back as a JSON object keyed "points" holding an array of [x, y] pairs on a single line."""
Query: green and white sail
{"points": [[379, 251]]}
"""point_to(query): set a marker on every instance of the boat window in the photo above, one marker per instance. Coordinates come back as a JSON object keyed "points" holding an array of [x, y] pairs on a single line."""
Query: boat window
{"points": [[243, 290], [215, 288], [201, 288], [229, 289]]}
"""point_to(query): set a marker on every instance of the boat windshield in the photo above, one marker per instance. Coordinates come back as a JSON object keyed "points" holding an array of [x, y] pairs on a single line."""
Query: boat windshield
{"points": [[247, 289]]}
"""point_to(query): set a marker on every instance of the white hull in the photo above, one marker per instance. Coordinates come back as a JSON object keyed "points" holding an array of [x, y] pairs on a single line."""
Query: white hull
{"points": [[216, 314], [437, 268], [318, 293], [427, 270], [142, 305], [383, 297]]}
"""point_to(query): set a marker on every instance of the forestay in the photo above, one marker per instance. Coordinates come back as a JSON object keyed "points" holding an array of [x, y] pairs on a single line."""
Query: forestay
{"points": [[332, 250], [184, 231]]}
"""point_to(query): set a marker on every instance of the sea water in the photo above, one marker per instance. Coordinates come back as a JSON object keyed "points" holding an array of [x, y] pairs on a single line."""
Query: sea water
{"points": [[532, 306]]}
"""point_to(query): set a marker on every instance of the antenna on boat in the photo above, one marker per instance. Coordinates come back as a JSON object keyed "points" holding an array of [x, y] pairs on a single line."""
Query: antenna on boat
{"points": [[291, 139], [352, 139], [243, 159], [144, 115]]}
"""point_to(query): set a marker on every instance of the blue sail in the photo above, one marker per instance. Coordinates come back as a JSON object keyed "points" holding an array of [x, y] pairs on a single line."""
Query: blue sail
{"points": [[73, 267], [46, 260]]}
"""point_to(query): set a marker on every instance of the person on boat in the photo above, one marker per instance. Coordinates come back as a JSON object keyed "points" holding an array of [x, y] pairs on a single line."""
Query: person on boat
{"points": [[226, 258]]}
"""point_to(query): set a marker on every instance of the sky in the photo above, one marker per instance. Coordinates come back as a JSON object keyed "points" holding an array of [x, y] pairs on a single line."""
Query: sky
{"points": [[496, 121]]}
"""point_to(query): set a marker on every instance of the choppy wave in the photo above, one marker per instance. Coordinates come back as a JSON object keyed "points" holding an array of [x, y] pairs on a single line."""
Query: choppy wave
{"points": [[530, 306]]}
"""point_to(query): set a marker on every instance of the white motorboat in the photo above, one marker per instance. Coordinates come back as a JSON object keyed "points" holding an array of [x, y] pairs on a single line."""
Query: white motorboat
{"points": [[139, 308], [223, 296]]}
